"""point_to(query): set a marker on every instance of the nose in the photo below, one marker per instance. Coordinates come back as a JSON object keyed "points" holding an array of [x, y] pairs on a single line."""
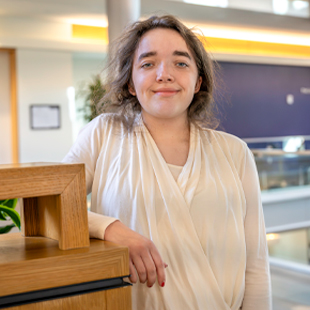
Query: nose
{"points": [[164, 74]]}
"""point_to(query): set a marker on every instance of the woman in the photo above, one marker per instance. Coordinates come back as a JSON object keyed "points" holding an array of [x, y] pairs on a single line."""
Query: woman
{"points": [[176, 192]]}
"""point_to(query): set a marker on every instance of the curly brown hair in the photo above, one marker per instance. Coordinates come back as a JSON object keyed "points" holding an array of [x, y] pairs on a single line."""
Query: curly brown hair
{"points": [[117, 98]]}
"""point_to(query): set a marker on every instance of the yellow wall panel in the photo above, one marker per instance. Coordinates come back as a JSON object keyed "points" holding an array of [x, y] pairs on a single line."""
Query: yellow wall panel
{"points": [[230, 46], [90, 32], [215, 45]]}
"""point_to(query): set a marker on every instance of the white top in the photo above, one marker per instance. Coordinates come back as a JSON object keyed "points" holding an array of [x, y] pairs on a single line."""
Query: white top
{"points": [[175, 171], [205, 218]]}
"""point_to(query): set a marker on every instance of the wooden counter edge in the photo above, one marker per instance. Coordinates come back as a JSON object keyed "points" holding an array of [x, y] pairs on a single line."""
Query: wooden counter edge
{"points": [[37, 263]]}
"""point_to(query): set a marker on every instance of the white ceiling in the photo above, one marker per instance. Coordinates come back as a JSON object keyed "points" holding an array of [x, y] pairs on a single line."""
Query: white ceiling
{"points": [[69, 10], [285, 28], [54, 9]]}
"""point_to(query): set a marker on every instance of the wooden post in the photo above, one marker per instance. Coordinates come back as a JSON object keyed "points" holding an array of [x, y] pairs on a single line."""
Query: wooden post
{"points": [[54, 200]]}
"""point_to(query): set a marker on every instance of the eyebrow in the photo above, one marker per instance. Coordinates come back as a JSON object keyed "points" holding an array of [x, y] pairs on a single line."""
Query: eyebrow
{"points": [[181, 53], [147, 54], [175, 53]]}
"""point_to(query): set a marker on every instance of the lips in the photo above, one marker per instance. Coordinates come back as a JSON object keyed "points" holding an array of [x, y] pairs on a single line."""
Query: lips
{"points": [[166, 92]]}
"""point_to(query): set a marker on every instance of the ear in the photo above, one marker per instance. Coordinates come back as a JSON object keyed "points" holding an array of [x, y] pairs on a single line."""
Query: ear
{"points": [[198, 84], [131, 89]]}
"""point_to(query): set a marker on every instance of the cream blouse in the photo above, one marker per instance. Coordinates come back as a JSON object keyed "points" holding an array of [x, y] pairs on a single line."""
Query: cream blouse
{"points": [[205, 218]]}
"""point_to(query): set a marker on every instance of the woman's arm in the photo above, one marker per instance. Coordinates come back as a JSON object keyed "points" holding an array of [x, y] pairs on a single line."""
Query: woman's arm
{"points": [[257, 277], [86, 150], [144, 257]]}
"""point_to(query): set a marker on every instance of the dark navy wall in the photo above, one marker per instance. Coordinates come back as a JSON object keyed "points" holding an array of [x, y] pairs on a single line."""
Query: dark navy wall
{"points": [[254, 102]]}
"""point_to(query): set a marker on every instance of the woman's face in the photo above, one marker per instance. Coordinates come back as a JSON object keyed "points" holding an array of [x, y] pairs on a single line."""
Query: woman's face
{"points": [[164, 75]]}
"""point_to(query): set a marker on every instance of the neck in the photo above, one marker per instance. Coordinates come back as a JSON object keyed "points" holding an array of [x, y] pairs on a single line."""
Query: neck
{"points": [[166, 129]]}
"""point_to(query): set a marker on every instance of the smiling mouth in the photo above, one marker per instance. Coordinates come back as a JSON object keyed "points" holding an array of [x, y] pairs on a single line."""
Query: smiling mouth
{"points": [[166, 92]]}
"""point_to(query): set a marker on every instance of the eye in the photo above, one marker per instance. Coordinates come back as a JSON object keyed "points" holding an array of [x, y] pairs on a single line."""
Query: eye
{"points": [[182, 64], [146, 65]]}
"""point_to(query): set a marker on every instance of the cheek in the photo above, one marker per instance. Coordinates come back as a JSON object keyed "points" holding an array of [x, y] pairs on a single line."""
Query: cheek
{"points": [[141, 84]]}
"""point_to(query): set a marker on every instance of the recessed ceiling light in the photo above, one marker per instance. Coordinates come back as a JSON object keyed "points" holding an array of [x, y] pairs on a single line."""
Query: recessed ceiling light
{"points": [[280, 6], [300, 5], [216, 3]]}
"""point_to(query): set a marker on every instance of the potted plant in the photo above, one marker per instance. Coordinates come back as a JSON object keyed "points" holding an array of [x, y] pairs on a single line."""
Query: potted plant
{"points": [[8, 212], [93, 94]]}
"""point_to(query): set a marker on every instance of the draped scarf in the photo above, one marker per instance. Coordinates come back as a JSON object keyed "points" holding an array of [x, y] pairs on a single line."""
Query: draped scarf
{"points": [[205, 271]]}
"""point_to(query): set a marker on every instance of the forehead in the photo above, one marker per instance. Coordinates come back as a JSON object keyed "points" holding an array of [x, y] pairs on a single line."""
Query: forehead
{"points": [[161, 40]]}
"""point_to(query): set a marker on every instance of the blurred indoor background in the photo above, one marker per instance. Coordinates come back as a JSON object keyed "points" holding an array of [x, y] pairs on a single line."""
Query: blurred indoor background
{"points": [[52, 53]]}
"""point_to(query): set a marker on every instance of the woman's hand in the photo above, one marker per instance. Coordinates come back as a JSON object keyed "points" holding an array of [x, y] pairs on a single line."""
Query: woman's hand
{"points": [[143, 255]]}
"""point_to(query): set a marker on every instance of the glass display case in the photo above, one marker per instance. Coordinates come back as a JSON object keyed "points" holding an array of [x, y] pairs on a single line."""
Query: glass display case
{"points": [[285, 183], [290, 245], [279, 169]]}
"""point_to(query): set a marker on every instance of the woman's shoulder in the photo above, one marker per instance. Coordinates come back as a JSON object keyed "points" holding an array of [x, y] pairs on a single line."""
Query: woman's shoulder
{"points": [[229, 146], [224, 138], [105, 122]]}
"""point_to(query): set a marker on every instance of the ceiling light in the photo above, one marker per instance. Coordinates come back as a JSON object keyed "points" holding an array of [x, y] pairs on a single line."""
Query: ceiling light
{"points": [[280, 6], [272, 237], [300, 5], [217, 3]]}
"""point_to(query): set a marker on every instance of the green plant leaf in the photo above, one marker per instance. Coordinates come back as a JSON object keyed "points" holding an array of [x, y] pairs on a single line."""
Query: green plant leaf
{"points": [[2, 217], [12, 214], [11, 203], [6, 229]]}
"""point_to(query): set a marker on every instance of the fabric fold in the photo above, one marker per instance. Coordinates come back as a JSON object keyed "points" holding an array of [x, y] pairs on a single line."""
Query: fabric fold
{"points": [[198, 222], [190, 264]]}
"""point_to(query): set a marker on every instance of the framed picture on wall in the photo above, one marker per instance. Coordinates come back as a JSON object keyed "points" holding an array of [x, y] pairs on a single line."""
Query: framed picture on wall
{"points": [[44, 116]]}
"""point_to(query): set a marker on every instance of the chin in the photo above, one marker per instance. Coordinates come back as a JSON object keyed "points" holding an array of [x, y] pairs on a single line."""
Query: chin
{"points": [[167, 112], [170, 115]]}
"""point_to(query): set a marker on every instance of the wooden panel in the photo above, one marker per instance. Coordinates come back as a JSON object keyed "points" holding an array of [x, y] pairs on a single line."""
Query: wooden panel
{"points": [[49, 219], [92, 301], [54, 200], [42, 215], [115, 299], [119, 299], [29, 264], [34, 180], [73, 214], [5, 108], [30, 217], [96, 301], [55, 206], [14, 115]]}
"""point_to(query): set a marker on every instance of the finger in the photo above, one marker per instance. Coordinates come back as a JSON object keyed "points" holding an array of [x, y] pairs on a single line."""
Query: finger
{"points": [[160, 267], [150, 269], [133, 275], [139, 265]]}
